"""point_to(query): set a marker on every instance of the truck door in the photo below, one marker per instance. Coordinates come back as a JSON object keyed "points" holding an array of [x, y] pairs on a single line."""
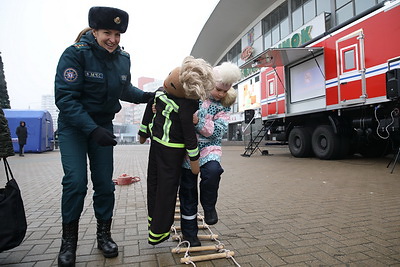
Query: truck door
{"points": [[272, 95], [351, 68]]}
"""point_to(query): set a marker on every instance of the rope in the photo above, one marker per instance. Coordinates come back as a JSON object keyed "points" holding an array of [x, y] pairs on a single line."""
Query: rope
{"points": [[229, 256], [218, 244]]}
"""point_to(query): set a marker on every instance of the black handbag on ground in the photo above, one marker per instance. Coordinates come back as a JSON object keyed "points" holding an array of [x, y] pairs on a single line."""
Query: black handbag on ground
{"points": [[12, 213]]}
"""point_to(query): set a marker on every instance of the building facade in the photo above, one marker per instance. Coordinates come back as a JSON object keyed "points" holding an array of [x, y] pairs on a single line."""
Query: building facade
{"points": [[49, 105], [127, 121], [239, 31]]}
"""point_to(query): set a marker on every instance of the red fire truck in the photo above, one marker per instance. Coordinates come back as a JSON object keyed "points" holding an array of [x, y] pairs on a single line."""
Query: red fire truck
{"points": [[339, 93]]}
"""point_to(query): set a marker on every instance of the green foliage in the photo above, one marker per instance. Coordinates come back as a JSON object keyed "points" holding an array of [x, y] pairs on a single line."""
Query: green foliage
{"points": [[4, 98]]}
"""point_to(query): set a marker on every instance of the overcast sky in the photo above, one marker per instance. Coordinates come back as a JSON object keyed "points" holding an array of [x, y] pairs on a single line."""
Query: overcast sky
{"points": [[34, 33]]}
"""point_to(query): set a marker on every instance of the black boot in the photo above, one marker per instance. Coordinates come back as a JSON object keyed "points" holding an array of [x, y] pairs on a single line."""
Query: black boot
{"points": [[104, 241], [193, 241], [67, 254], [211, 217]]}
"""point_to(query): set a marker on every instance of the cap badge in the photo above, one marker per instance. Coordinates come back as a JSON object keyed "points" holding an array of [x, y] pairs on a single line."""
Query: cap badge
{"points": [[117, 20]]}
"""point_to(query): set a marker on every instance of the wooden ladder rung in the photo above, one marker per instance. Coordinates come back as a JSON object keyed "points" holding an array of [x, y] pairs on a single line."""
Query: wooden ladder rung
{"points": [[208, 257], [196, 249], [201, 237], [200, 226]]}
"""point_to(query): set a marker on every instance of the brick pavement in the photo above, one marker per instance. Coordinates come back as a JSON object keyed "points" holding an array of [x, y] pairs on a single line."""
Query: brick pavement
{"points": [[274, 211]]}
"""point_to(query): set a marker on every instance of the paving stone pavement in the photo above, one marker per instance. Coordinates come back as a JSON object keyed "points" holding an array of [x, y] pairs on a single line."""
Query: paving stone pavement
{"points": [[274, 210]]}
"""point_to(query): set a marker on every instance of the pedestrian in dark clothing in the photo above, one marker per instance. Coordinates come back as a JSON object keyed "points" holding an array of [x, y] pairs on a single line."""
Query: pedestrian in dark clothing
{"points": [[238, 135], [93, 75], [22, 134], [6, 147]]}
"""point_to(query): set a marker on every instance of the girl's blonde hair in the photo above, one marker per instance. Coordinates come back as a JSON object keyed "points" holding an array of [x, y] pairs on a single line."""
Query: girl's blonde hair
{"points": [[197, 78], [78, 38], [230, 98]]}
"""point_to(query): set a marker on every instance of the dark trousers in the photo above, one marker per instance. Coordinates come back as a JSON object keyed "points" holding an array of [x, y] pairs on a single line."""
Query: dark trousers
{"points": [[163, 173], [21, 149], [210, 175], [76, 149]]}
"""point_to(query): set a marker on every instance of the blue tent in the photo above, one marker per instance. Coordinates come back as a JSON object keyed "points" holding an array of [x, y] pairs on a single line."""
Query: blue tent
{"points": [[40, 129]]}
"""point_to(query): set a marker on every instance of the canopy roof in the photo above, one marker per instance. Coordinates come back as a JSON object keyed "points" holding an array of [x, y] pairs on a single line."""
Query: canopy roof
{"points": [[225, 24], [275, 57]]}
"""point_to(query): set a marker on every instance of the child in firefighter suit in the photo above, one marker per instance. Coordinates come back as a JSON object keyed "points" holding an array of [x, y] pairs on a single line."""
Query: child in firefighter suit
{"points": [[211, 123], [173, 137]]}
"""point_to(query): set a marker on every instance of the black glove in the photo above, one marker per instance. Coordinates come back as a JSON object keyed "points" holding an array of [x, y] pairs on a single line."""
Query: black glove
{"points": [[103, 137], [147, 96]]}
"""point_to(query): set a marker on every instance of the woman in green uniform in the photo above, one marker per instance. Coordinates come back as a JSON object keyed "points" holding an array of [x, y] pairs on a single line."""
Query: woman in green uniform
{"points": [[92, 76]]}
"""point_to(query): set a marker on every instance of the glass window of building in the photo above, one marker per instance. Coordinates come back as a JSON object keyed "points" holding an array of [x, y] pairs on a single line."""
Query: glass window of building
{"points": [[234, 54], [284, 20], [297, 16], [266, 28], [275, 34], [285, 30], [267, 40], [362, 5], [346, 9], [323, 6], [344, 12], [235, 106], [309, 10], [341, 3], [224, 59], [275, 26]]}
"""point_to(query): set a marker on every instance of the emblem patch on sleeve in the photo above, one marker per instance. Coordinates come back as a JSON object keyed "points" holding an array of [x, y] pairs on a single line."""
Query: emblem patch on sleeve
{"points": [[70, 75]]}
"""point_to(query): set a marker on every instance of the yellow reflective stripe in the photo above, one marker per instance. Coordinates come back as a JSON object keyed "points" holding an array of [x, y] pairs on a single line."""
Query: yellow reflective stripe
{"points": [[143, 128], [151, 125], [169, 102], [175, 145], [170, 106], [167, 123], [157, 237], [159, 93], [193, 152]]}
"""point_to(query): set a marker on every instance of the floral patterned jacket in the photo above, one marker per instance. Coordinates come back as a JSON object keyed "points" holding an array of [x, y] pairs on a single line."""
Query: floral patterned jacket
{"points": [[212, 125]]}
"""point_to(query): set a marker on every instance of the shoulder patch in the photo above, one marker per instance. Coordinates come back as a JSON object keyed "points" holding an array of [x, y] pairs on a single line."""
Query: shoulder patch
{"points": [[81, 45], [70, 75], [124, 53]]}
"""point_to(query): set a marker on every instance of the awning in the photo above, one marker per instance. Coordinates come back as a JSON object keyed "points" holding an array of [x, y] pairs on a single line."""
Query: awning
{"points": [[275, 57]]}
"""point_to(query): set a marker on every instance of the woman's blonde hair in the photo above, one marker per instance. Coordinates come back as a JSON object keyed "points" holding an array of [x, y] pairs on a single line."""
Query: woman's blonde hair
{"points": [[78, 38], [230, 98], [197, 78]]}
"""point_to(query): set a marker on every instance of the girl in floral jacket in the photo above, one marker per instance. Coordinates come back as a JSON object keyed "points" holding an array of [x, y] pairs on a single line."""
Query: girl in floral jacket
{"points": [[211, 123]]}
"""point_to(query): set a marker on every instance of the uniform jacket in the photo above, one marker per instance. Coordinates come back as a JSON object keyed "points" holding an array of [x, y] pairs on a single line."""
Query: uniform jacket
{"points": [[22, 133], [89, 83], [6, 147], [172, 124], [212, 125]]}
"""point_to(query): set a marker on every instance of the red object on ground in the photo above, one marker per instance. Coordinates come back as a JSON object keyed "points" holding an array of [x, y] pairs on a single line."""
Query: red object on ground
{"points": [[125, 179]]}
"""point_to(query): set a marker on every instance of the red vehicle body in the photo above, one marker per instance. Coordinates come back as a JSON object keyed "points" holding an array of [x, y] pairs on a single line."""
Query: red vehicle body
{"points": [[339, 94]]}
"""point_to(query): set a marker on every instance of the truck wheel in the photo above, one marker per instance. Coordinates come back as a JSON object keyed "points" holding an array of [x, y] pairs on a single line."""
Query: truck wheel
{"points": [[325, 143], [300, 142]]}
